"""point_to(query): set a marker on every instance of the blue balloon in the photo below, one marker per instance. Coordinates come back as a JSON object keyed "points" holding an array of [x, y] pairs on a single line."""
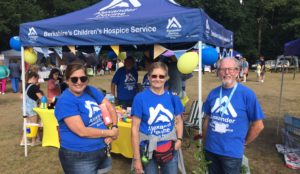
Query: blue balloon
{"points": [[111, 55], [209, 56], [15, 43]]}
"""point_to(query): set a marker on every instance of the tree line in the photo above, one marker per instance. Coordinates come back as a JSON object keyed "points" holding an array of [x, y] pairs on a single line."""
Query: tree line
{"points": [[260, 27]]}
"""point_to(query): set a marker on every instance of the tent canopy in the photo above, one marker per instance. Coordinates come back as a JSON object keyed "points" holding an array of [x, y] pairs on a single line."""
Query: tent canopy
{"points": [[292, 48], [127, 22]]}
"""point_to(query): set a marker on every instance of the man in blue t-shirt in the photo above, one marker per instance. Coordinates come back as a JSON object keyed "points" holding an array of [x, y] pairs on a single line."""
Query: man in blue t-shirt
{"points": [[233, 119], [125, 80]]}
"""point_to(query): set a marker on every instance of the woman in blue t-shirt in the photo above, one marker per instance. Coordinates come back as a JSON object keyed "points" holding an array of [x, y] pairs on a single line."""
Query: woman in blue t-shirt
{"points": [[153, 125], [83, 134]]}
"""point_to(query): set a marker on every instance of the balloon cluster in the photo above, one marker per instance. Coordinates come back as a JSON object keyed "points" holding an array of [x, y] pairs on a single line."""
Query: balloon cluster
{"points": [[15, 43], [189, 61]]}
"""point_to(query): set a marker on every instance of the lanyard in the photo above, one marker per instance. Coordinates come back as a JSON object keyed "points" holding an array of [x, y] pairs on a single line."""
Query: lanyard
{"points": [[222, 110]]}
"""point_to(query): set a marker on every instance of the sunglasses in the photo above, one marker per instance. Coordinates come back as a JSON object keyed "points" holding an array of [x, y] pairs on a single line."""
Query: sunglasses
{"points": [[83, 79], [159, 76]]}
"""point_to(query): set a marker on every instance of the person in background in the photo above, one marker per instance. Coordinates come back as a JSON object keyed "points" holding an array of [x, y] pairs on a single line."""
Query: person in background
{"points": [[263, 69], [53, 84], [156, 124], [120, 64], [4, 74], [146, 82], [258, 71], [33, 95], [83, 135], [15, 75], [109, 66], [175, 83], [244, 69], [125, 80], [233, 119]]}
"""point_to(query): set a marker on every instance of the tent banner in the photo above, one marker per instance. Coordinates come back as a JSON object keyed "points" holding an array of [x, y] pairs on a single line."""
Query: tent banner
{"points": [[97, 49], [58, 50], [123, 22], [158, 50], [116, 49]]}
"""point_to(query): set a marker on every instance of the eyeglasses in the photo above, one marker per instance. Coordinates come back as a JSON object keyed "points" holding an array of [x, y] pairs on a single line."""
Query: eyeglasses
{"points": [[83, 79], [230, 70], [154, 76]]}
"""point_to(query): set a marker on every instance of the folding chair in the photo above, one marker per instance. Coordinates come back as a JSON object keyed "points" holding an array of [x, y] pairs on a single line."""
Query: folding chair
{"points": [[192, 121]]}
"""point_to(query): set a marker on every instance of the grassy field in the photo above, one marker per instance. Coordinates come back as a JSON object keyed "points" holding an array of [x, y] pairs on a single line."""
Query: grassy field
{"points": [[263, 157]]}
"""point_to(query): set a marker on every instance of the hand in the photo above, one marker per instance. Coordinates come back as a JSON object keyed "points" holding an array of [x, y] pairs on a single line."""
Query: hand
{"points": [[138, 168], [114, 138], [115, 132], [178, 145], [108, 140]]}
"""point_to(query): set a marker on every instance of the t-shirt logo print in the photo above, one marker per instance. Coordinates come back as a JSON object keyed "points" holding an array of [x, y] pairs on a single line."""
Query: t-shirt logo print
{"points": [[92, 107], [159, 114], [217, 108], [129, 78]]}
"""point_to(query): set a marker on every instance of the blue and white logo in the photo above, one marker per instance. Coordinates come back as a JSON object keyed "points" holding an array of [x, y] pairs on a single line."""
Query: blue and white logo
{"points": [[121, 4], [207, 28], [173, 23], [159, 114], [160, 120], [173, 28], [32, 34], [117, 8], [218, 106]]}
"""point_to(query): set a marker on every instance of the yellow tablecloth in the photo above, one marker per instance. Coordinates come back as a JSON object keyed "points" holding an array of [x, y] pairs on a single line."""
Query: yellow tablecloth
{"points": [[123, 144], [50, 127]]}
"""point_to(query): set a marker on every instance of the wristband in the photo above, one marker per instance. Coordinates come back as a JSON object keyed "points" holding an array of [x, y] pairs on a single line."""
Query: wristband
{"points": [[180, 139]]}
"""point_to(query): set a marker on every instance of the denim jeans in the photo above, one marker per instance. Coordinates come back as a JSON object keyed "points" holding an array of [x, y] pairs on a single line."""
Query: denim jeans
{"points": [[170, 167], [15, 84], [223, 164], [81, 162]]}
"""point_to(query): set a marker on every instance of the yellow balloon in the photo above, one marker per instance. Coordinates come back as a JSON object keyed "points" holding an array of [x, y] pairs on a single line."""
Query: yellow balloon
{"points": [[122, 55], [30, 56], [187, 62]]}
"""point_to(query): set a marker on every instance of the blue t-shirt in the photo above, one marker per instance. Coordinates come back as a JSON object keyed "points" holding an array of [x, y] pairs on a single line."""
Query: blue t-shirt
{"points": [[156, 112], [126, 82], [146, 82], [87, 108], [226, 134]]}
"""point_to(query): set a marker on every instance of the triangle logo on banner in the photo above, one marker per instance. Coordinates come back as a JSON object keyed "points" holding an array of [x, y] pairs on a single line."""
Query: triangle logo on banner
{"points": [[97, 49], [158, 50], [178, 53], [116, 49]]}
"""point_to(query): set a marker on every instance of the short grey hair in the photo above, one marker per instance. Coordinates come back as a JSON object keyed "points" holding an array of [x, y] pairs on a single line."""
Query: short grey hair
{"points": [[237, 63]]}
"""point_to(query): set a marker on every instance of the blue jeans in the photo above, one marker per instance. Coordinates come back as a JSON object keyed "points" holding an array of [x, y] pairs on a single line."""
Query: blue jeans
{"points": [[170, 167], [82, 162], [15, 84], [223, 164]]}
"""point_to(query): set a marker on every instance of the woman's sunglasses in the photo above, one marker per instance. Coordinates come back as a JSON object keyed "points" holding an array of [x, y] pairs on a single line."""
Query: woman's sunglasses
{"points": [[159, 76], [83, 79]]}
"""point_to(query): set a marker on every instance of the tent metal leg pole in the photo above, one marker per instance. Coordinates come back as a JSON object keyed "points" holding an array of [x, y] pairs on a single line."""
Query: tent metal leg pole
{"points": [[24, 101], [280, 97], [200, 86]]}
